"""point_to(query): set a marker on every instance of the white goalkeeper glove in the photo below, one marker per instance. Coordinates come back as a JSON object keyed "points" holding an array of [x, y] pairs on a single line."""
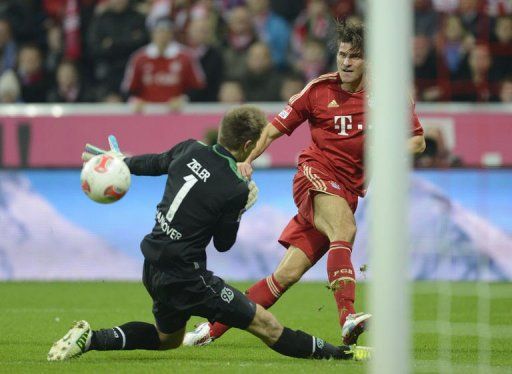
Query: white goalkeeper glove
{"points": [[253, 195], [91, 150]]}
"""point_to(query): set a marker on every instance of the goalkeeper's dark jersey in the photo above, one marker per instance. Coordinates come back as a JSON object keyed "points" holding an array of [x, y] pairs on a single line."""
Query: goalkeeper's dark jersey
{"points": [[204, 198]]}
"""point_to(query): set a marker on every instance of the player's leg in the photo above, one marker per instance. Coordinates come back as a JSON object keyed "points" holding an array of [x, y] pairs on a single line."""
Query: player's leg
{"points": [[233, 308], [334, 217], [296, 343], [129, 336], [265, 293]]}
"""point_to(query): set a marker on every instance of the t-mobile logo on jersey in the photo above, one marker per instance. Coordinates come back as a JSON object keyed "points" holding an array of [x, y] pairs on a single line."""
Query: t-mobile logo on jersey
{"points": [[344, 123]]}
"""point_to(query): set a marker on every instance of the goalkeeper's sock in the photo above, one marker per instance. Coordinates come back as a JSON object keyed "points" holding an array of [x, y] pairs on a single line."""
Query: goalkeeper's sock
{"points": [[265, 293], [302, 345], [341, 277], [131, 335]]}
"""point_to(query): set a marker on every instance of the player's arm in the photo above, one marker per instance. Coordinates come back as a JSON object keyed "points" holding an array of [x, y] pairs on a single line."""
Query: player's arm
{"points": [[416, 144], [150, 164], [268, 135], [156, 164], [226, 229], [291, 117]]}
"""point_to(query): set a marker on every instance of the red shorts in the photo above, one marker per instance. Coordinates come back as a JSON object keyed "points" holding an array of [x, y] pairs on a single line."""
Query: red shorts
{"points": [[300, 231]]}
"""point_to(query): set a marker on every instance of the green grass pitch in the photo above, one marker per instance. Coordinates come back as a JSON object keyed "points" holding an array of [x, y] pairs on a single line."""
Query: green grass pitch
{"points": [[33, 315]]}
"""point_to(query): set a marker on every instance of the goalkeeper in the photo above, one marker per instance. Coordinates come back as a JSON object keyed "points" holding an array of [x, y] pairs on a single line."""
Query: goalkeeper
{"points": [[204, 198]]}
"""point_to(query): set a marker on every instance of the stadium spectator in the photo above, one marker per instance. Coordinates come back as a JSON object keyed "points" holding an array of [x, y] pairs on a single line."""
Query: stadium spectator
{"points": [[9, 88], [181, 13], [21, 15], [231, 92], [240, 36], [8, 48], [499, 7], [113, 36], [445, 6], [206, 11], [313, 61], [292, 85], [55, 48], [262, 81], [272, 29], [425, 18], [502, 49], [477, 85], [315, 22], [505, 95], [425, 69], [114, 30], [68, 86], [474, 19], [454, 45], [31, 74], [288, 9], [199, 37], [162, 72]]}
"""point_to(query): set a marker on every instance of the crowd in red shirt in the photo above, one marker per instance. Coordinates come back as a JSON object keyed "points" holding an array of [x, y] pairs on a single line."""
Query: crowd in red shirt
{"points": [[248, 50]]}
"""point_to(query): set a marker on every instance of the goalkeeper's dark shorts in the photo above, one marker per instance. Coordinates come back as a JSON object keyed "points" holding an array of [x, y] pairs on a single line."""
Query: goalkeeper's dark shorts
{"points": [[176, 299]]}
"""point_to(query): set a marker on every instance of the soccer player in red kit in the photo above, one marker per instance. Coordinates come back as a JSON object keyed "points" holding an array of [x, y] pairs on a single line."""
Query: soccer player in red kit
{"points": [[162, 71], [326, 187]]}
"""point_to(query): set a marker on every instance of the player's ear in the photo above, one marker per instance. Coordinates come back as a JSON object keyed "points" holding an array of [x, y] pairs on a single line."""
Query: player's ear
{"points": [[248, 145]]}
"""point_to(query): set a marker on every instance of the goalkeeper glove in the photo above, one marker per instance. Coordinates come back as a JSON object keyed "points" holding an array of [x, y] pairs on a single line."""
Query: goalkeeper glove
{"points": [[91, 150]]}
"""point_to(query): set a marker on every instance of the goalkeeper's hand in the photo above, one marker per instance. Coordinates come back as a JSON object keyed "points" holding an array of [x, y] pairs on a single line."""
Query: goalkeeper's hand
{"points": [[91, 150], [253, 195]]}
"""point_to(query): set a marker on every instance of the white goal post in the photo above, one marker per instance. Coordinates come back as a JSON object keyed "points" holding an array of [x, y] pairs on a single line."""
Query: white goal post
{"points": [[388, 27]]}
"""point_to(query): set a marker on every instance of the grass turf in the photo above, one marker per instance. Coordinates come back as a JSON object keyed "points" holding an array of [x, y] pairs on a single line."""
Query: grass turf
{"points": [[33, 315]]}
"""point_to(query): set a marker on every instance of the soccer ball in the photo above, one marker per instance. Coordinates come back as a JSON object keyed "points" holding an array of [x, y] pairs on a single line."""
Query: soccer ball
{"points": [[105, 178]]}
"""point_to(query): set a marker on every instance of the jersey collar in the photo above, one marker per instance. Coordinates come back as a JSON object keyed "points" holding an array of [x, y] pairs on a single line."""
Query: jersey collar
{"points": [[221, 151], [171, 51], [224, 153]]}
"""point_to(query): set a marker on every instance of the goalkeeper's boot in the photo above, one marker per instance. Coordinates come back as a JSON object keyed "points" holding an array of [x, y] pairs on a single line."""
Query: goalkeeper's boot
{"points": [[200, 336], [75, 343], [354, 325], [360, 353]]}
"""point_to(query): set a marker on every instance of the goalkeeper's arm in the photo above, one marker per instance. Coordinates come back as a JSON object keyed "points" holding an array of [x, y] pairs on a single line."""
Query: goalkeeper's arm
{"points": [[225, 232], [150, 164]]}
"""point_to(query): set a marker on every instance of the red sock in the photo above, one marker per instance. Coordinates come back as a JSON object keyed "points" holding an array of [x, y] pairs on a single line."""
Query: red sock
{"points": [[342, 277], [265, 292]]}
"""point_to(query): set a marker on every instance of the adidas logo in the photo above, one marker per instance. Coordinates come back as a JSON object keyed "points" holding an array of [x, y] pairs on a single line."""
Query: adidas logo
{"points": [[333, 104]]}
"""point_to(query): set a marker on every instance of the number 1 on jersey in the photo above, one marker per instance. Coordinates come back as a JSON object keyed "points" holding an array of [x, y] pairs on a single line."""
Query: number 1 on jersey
{"points": [[190, 180]]}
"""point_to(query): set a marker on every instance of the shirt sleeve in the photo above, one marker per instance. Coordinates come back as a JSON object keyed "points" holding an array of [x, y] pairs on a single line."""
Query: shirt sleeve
{"points": [[155, 164], [226, 229], [416, 129], [132, 82], [294, 114]]}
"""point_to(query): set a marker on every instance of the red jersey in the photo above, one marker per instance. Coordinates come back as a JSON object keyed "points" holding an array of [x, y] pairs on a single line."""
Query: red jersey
{"points": [[159, 78], [337, 123]]}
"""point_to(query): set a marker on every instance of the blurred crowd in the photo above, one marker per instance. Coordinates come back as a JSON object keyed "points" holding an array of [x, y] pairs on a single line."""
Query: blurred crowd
{"points": [[172, 51]]}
